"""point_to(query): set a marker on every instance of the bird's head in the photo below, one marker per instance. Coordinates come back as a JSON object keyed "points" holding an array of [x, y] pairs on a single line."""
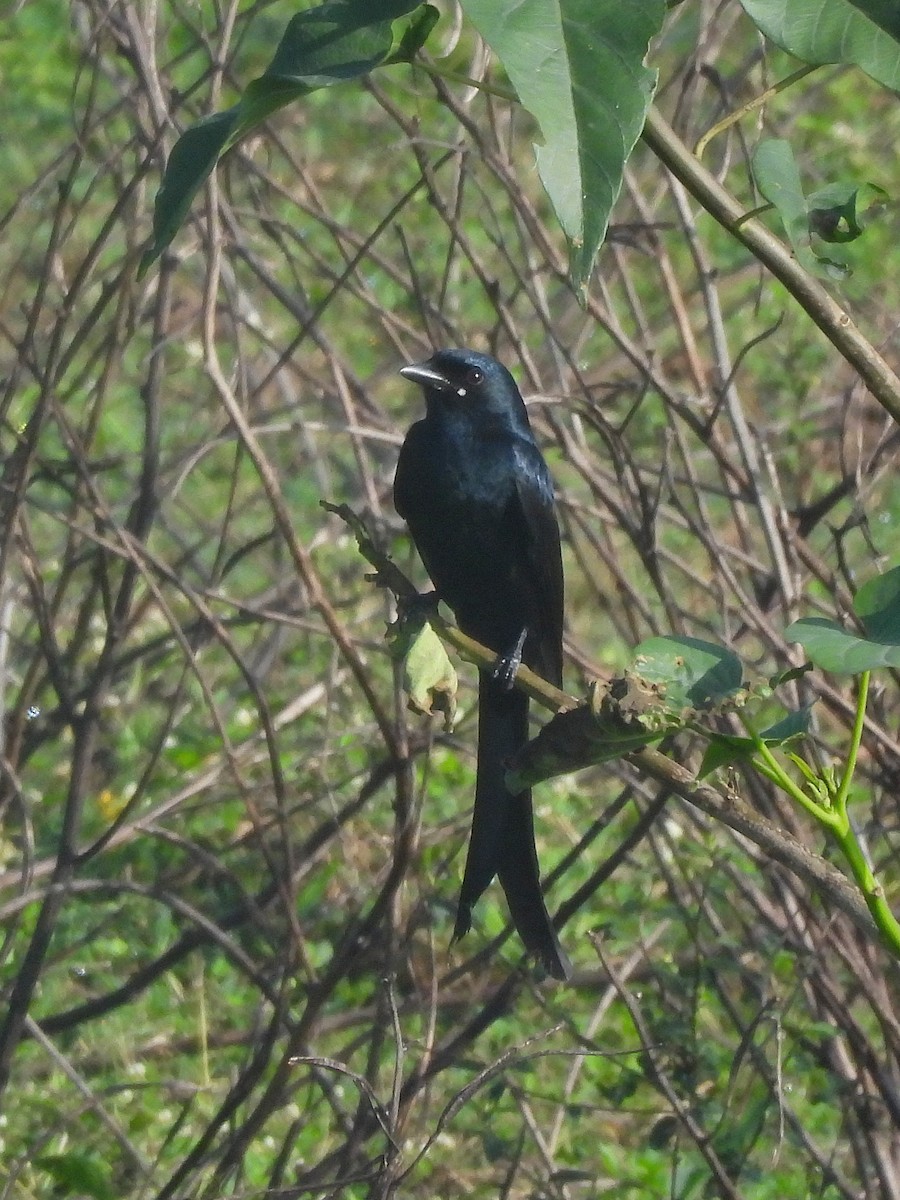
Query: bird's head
{"points": [[467, 380]]}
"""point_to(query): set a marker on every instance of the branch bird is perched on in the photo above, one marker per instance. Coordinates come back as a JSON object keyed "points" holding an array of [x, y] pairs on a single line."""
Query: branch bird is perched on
{"points": [[478, 499]]}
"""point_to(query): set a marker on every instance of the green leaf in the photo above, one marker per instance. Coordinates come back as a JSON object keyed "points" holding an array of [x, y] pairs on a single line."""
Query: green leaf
{"points": [[414, 36], [884, 13], [778, 179], [725, 748], [587, 735], [578, 67], [841, 211], [335, 42], [429, 677], [78, 1174], [193, 157], [863, 33], [788, 676], [671, 680], [877, 604], [833, 648], [692, 674]]}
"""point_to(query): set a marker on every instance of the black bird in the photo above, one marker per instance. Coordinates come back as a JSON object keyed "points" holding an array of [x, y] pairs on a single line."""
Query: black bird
{"points": [[478, 499]]}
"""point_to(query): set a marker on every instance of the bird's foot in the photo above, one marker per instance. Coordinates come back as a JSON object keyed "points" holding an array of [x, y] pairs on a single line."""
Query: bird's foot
{"points": [[506, 668]]}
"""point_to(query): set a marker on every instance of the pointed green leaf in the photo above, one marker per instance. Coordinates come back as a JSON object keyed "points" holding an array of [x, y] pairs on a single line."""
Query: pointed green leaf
{"points": [[864, 33], [833, 649], [337, 41], [578, 67], [778, 179], [877, 604], [193, 157]]}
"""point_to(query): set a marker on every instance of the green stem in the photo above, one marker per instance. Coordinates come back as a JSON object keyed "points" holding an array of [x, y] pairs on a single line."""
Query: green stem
{"points": [[750, 106], [845, 836], [489, 89], [773, 771], [769, 766], [836, 819], [873, 893], [840, 800]]}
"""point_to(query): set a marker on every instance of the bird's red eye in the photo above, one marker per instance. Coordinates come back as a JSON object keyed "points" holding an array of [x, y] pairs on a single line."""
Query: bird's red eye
{"points": [[474, 376]]}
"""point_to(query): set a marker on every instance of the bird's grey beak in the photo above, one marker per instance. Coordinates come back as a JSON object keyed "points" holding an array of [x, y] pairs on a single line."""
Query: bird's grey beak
{"points": [[426, 376]]}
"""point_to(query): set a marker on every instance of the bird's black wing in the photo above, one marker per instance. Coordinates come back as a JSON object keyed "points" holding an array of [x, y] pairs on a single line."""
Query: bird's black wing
{"points": [[408, 481], [543, 561]]}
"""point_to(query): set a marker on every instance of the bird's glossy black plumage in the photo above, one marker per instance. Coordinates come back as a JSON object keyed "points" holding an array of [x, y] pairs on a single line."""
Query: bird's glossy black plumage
{"points": [[478, 499]]}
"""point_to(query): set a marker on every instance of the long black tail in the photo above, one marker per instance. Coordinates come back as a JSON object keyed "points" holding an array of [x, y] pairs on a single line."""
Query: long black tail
{"points": [[502, 841]]}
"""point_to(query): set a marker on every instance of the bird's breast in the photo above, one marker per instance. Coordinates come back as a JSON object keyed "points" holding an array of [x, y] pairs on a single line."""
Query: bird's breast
{"points": [[474, 470]]}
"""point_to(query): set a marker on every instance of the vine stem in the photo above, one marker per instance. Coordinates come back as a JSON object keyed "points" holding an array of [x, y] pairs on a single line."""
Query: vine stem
{"points": [[873, 892], [769, 766], [840, 800], [752, 105], [836, 819], [845, 836]]}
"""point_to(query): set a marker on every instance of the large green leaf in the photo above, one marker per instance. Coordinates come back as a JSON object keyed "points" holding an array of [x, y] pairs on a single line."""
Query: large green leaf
{"points": [[694, 675], [833, 648], [578, 67], [335, 42], [863, 33], [877, 604]]}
